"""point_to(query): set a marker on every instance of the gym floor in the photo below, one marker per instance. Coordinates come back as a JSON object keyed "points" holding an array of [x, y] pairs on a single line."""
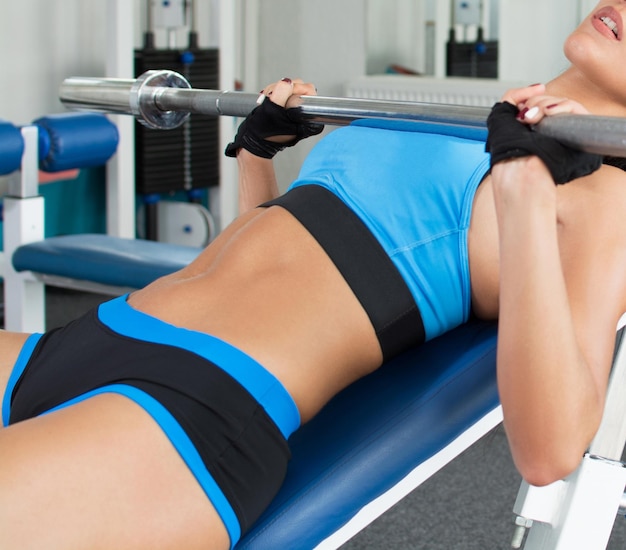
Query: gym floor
{"points": [[466, 506]]}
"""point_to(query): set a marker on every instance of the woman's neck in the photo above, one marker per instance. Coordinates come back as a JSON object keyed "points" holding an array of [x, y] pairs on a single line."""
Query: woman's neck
{"points": [[574, 85]]}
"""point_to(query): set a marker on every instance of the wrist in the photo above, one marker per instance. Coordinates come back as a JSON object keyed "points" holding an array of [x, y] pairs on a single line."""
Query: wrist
{"points": [[247, 159], [257, 180], [524, 196]]}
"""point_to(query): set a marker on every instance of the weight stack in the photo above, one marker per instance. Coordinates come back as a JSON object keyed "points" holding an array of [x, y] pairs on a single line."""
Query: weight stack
{"points": [[187, 157], [472, 59]]}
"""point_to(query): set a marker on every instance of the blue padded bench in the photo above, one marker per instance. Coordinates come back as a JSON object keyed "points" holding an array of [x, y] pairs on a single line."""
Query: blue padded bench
{"points": [[378, 431], [103, 259]]}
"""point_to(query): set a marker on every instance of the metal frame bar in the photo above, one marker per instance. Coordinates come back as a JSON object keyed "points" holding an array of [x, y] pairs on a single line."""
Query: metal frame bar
{"points": [[578, 512], [24, 297]]}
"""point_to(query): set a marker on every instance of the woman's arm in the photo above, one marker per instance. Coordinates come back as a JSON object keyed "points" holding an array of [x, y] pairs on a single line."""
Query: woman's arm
{"points": [[552, 383], [552, 404], [260, 138], [257, 180]]}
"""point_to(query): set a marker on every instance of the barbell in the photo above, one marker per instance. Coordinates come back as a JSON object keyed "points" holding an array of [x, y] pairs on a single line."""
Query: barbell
{"points": [[163, 99]]}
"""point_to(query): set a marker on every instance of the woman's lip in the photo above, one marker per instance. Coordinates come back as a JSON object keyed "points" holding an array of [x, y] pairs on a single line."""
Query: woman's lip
{"points": [[602, 28]]}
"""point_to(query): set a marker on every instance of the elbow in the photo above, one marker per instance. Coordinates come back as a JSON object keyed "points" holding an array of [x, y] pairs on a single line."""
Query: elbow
{"points": [[547, 454], [543, 470], [542, 459], [542, 475]]}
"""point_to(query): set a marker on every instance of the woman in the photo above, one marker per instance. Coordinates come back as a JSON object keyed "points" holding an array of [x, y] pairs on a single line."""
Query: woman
{"points": [[132, 465]]}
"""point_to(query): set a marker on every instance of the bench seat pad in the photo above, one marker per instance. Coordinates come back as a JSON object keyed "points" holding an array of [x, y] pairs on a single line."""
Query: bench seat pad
{"points": [[378, 430], [103, 259]]}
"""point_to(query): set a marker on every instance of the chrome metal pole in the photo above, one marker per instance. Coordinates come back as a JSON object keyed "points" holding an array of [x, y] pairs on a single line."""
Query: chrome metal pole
{"points": [[164, 91], [103, 95], [163, 99]]}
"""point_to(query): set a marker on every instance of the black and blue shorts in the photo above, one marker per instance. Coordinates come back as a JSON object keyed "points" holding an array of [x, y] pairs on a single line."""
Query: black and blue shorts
{"points": [[227, 416]]}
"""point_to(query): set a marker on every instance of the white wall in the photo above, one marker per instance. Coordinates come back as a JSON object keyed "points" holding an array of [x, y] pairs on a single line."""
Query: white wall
{"points": [[396, 34], [532, 34], [41, 42], [586, 6]]}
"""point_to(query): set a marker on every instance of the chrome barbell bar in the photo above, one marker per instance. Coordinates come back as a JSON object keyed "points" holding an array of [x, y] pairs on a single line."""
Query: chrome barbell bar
{"points": [[164, 99]]}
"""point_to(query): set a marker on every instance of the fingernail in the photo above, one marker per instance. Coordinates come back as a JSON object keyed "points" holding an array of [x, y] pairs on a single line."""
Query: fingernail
{"points": [[536, 84], [522, 113], [260, 99], [287, 80], [531, 113], [552, 106]]}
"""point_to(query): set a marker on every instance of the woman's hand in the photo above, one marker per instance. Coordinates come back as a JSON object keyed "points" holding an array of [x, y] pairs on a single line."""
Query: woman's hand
{"points": [[277, 122], [534, 104], [287, 92], [511, 135]]}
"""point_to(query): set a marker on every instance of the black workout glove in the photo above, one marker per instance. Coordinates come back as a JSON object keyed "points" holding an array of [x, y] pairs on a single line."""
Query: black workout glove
{"points": [[509, 138], [267, 120]]}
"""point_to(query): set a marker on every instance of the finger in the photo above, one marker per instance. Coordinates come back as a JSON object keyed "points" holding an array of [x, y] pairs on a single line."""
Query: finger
{"points": [[299, 90], [282, 91], [564, 106], [537, 108], [518, 96], [304, 88], [267, 91]]}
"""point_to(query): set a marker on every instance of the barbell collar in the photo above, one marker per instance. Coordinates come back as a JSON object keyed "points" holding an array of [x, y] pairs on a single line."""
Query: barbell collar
{"points": [[144, 96]]}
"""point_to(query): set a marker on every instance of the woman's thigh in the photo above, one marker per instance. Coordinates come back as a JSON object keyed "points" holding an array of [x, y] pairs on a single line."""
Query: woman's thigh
{"points": [[100, 474]]}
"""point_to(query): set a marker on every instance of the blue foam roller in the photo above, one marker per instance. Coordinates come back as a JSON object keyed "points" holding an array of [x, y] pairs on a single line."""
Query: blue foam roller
{"points": [[11, 147], [75, 140]]}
